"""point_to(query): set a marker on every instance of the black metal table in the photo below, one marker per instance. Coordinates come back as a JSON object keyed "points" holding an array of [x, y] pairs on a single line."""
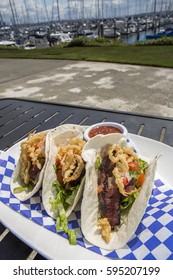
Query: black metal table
{"points": [[19, 117]]}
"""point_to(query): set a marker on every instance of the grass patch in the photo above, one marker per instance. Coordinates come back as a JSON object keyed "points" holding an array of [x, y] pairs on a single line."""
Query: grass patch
{"points": [[155, 55]]}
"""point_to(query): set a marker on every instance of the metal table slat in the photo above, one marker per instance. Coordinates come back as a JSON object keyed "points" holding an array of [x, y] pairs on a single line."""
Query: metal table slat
{"points": [[2, 107], [39, 257], [7, 109], [15, 120], [148, 125], [12, 242], [168, 139], [153, 128], [2, 228], [25, 116], [12, 116]]}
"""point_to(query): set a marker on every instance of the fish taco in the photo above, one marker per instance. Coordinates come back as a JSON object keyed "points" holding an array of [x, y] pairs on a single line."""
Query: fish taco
{"points": [[116, 193], [64, 178], [64, 175], [28, 174]]}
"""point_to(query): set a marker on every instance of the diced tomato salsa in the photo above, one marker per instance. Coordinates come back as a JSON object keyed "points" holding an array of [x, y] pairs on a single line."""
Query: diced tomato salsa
{"points": [[103, 130]]}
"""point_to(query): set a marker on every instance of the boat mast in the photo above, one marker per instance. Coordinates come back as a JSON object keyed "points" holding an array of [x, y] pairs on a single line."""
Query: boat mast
{"points": [[146, 8], [36, 8], [119, 8], [58, 10], [46, 10], [76, 11], [170, 5], [12, 11], [52, 13], [115, 10], [98, 8], [127, 7], [161, 8], [112, 9], [69, 12], [140, 7], [155, 5], [102, 8], [1, 20], [15, 12], [154, 17], [27, 14], [23, 15], [75, 14], [82, 10]]}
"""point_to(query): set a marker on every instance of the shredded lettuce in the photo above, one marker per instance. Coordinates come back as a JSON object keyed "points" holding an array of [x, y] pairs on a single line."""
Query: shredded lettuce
{"points": [[66, 197], [127, 202], [63, 200], [23, 189], [71, 198], [62, 224], [143, 165]]}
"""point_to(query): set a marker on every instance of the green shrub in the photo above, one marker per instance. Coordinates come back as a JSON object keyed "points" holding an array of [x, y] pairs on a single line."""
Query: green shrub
{"points": [[156, 42], [79, 42], [93, 42]]}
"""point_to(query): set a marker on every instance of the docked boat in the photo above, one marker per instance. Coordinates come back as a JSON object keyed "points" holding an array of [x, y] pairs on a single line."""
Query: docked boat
{"points": [[160, 35], [58, 37], [111, 33], [7, 43], [29, 46], [40, 34]]}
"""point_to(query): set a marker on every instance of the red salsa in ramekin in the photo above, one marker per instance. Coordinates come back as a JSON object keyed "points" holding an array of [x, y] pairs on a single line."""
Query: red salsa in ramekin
{"points": [[103, 130]]}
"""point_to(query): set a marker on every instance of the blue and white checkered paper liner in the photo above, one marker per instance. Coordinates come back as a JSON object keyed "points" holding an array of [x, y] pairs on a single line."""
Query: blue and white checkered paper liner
{"points": [[153, 238]]}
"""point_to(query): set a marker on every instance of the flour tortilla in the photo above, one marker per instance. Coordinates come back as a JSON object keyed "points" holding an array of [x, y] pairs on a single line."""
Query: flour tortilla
{"points": [[49, 193], [90, 204]]}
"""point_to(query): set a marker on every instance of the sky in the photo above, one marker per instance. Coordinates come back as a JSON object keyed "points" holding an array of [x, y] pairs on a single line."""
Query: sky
{"points": [[43, 10]]}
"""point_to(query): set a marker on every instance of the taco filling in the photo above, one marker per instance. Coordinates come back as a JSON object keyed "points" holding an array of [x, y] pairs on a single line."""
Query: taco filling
{"points": [[70, 170], [121, 174], [32, 159]]}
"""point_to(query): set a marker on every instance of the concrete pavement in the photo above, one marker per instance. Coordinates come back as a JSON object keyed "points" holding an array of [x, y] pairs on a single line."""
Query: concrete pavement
{"points": [[122, 87]]}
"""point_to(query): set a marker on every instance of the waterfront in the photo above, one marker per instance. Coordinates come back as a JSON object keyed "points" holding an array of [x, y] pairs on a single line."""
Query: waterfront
{"points": [[134, 37], [129, 21], [128, 29]]}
